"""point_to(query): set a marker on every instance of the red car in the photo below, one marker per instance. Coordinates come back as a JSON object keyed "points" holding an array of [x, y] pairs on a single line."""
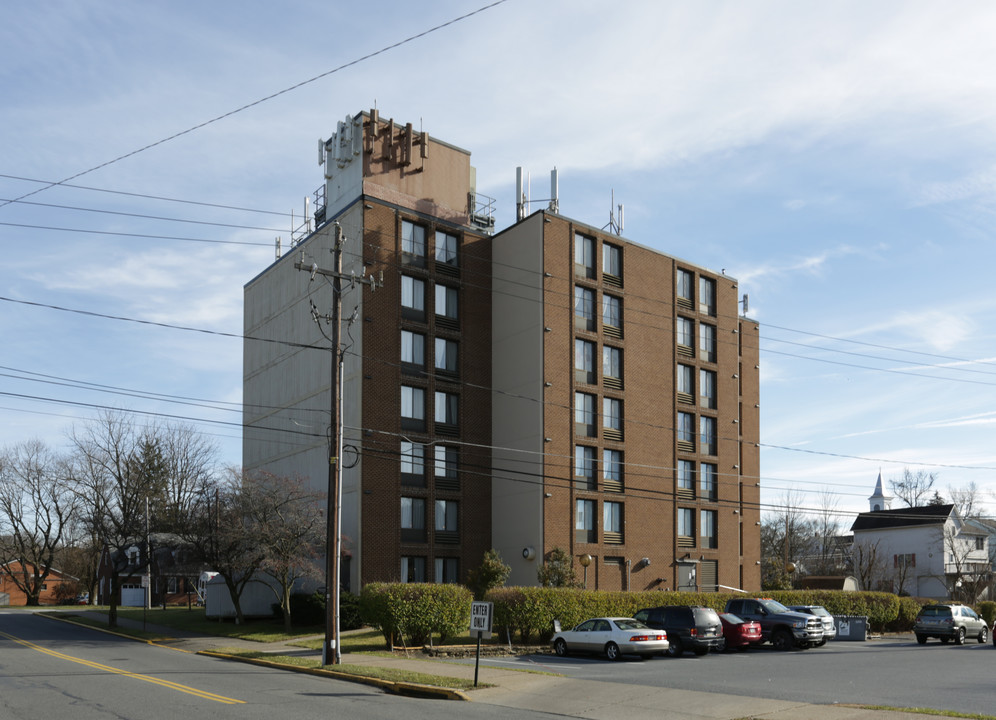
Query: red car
{"points": [[739, 633]]}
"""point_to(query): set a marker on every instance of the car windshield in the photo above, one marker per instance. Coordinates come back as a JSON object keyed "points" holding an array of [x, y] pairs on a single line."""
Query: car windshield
{"points": [[773, 606], [731, 618], [821, 611], [627, 624]]}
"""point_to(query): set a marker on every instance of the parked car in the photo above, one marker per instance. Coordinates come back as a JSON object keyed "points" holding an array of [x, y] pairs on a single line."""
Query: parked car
{"points": [[829, 626], [782, 627], [739, 634], [949, 622], [615, 636], [688, 627]]}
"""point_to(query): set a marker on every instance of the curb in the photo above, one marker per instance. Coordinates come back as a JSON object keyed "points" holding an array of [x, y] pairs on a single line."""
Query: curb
{"points": [[398, 688]]}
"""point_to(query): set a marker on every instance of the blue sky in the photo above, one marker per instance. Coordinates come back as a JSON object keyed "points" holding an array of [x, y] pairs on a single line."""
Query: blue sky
{"points": [[839, 160]]}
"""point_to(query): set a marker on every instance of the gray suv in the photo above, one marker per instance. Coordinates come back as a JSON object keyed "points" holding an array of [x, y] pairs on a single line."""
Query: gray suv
{"points": [[949, 622]]}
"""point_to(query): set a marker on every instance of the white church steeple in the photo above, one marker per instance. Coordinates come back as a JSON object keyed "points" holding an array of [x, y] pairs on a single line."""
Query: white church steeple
{"points": [[879, 500]]}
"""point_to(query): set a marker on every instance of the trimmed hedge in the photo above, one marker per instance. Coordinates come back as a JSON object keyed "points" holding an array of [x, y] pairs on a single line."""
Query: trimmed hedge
{"points": [[411, 613]]}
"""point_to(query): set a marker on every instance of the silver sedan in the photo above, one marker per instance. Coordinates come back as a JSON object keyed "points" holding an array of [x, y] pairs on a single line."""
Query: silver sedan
{"points": [[614, 636]]}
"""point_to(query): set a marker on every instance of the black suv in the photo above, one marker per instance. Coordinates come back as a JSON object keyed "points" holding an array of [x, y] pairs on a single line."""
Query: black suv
{"points": [[694, 627]]}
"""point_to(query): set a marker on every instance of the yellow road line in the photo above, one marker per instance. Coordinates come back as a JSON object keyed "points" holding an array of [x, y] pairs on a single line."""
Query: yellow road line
{"points": [[107, 668]]}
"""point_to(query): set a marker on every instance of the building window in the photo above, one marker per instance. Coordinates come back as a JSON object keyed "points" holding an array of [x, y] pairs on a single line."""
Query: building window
{"points": [[707, 389], [412, 464], [686, 479], [412, 569], [412, 243], [612, 270], [707, 521], [446, 302], [686, 527], [612, 471], [707, 342], [612, 367], [412, 350], [707, 296], [686, 432], [446, 249], [684, 336], [707, 435], [684, 288], [584, 521], [412, 408], [412, 519], [612, 315], [584, 361], [447, 412], [708, 479], [612, 522], [907, 560], [584, 414], [446, 570], [447, 463], [446, 356], [412, 298], [686, 384], [980, 543], [612, 418], [584, 467], [446, 521], [584, 308], [584, 256]]}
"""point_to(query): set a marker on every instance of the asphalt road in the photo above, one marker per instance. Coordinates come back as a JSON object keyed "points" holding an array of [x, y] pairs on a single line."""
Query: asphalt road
{"points": [[895, 672], [50, 669]]}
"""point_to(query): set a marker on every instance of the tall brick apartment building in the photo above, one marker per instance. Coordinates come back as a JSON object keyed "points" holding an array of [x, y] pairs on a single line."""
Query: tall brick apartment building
{"points": [[549, 386]]}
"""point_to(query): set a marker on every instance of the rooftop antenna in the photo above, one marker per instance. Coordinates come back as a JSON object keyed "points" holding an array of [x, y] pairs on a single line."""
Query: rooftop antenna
{"points": [[615, 225], [520, 196], [554, 192]]}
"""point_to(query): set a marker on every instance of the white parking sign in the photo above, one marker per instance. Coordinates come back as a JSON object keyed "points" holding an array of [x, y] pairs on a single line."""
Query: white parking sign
{"points": [[480, 619]]}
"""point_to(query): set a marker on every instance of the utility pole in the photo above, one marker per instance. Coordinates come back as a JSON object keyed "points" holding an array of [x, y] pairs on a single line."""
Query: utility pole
{"points": [[331, 649]]}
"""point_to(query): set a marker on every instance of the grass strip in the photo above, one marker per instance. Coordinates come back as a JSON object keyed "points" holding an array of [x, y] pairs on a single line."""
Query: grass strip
{"points": [[388, 674]]}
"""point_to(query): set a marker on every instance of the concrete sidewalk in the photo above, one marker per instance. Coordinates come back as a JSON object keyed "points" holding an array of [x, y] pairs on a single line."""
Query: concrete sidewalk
{"points": [[550, 693]]}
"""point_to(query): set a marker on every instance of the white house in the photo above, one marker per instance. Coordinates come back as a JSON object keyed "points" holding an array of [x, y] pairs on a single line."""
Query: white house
{"points": [[926, 551]]}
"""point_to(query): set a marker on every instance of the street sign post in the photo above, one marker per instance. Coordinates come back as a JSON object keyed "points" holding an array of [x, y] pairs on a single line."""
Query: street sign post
{"points": [[481, 614]]}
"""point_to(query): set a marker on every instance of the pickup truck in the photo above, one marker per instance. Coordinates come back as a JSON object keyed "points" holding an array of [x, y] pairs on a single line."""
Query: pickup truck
{"points": [[780, 626]]}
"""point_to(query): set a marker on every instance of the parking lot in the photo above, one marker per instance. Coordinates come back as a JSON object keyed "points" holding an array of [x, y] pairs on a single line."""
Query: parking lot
{"points": [[892, 671]]}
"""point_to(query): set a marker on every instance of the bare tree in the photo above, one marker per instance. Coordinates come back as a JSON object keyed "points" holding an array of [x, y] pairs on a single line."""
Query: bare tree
{"points": [[35, 506], [914, 487], [827, 531], [124, 475], [289, 522], [225, 536], [967, 500], [787, 541], [869, 563], [967, 568]]}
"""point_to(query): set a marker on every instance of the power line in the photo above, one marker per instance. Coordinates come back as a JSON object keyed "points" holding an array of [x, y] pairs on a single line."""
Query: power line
{"points": [[260, 101]]}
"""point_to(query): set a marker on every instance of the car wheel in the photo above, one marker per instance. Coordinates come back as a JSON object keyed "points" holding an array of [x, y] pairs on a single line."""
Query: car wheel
{"points": [[675, 649], [960, 637], [612, 651], [560, 647], [781, 640], [983, 635], [922, 639]]}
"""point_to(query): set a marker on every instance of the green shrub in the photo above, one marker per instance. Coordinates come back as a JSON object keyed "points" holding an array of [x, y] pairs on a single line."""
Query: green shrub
{"points": [[987, 609], [411, 613]]}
